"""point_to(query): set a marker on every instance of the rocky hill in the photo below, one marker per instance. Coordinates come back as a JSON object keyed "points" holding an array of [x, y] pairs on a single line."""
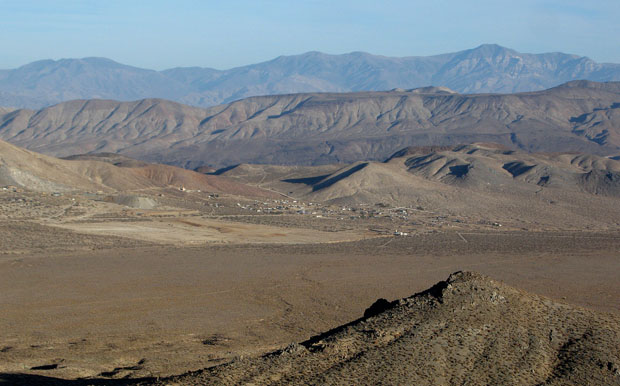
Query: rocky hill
{"points": [[468, 329], [312, 129], [487, 68]]}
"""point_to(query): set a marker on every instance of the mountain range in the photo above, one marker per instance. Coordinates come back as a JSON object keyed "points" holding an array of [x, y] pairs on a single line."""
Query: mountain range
{"points": [[324, 128], [484, 69]]}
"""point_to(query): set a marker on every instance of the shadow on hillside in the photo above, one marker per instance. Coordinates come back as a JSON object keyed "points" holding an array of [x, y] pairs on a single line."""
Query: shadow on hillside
{"points": [[223, 170], [32, 379], [330, 181], [306, 180]]}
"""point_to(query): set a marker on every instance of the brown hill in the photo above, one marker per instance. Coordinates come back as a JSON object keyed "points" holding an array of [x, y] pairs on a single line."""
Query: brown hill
{"points": [[310, 129], [487, 167], [33, 171], [468, 329], [77, 127], [112, 158], [482, 182]]}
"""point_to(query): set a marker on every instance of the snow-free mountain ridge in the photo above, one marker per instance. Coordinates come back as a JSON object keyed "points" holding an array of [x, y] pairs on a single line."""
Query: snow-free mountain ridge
{"points": [[487, 68], [323, 128]]}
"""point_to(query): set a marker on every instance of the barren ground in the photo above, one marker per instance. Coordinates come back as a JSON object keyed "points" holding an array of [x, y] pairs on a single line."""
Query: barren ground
{"points": [[94, 289]]}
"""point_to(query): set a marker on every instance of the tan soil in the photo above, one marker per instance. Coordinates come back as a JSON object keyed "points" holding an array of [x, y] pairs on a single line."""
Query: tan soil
{"points": [[93, 288]]}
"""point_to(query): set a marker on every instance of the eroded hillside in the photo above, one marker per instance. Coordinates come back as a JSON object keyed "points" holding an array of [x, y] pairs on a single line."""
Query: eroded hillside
{"points": [[311, 129]]}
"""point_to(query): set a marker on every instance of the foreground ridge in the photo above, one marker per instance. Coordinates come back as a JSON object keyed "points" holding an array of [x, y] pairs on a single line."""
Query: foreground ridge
{"points": [[468, 329]]}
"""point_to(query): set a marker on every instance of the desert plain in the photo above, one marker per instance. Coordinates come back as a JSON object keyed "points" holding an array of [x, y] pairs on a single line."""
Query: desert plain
{"points": [[154, 282], [352, 258]]}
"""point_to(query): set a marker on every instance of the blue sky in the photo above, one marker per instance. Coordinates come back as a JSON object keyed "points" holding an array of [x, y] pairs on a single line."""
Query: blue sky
{"points": [[223, 34]]}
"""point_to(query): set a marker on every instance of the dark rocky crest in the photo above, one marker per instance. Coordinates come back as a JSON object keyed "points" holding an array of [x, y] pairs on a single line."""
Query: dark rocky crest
{"points": [[467, 329]]}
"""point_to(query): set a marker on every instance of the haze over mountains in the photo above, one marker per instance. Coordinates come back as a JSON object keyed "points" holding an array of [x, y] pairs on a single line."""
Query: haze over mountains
{"points": [[320, 200], [313, 129], [487, 68]]}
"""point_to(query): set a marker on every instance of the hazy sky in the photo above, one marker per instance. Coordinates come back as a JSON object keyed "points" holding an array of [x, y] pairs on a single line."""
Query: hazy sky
{"points": [[222, 34]]}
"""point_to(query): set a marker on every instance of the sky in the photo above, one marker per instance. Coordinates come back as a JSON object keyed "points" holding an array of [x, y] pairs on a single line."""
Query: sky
{"points": [[160, 34]]}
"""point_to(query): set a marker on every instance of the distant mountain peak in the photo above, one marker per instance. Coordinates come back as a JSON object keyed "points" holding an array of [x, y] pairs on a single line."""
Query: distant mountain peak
{"points": [[483, 69], [489, 51], [491, 47], [91, 59]]}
